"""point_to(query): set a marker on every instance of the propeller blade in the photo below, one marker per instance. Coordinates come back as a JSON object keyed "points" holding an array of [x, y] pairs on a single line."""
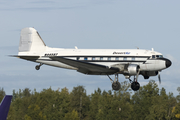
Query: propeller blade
{"points": [[137, 74], [159, 77]]}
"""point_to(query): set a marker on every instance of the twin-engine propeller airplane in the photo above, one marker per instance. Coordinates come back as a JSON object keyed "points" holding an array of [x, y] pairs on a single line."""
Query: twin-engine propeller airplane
{"points": [[129, 62]]}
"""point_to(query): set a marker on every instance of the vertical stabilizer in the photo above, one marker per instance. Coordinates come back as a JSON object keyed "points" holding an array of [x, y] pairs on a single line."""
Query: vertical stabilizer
{"points": [[31, 41], [4, 107]]}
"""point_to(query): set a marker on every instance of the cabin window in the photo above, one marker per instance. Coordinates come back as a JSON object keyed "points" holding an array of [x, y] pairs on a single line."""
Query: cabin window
{"points": [[133, 58], [77, 58], [125, 58], [153, 56], [93, 58], [85, 58], [117, 58], [101, 58], [109, 58]]}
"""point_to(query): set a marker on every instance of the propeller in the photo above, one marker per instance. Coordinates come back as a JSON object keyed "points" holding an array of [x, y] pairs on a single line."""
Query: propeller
{"points": [[159, 77]]}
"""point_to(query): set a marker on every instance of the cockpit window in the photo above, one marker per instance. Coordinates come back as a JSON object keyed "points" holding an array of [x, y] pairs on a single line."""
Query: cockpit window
{"points": [[157, 56]]}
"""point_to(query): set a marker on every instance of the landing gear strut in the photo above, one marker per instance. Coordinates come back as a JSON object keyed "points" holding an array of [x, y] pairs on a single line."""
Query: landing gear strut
{"points": [[115, 84], [134, 84], [38, 66]]}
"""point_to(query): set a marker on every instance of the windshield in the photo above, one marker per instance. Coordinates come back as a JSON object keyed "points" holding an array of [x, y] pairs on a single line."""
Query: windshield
{"points": [[157, 56]]}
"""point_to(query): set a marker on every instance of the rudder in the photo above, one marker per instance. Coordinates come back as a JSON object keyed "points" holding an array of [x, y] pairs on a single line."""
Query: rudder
{"points": [[31, 41]]}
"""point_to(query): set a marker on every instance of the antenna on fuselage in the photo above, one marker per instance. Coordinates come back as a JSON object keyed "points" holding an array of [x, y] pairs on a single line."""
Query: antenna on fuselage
{"points": [[76, 47]]}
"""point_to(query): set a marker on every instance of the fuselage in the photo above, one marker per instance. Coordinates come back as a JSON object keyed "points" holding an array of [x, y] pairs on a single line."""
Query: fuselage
{"points": [[148, 60]]}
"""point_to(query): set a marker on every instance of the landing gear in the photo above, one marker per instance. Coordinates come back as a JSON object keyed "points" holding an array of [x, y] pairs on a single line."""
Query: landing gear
{"points": [[134, 84], [38, 66], [115, 84]]}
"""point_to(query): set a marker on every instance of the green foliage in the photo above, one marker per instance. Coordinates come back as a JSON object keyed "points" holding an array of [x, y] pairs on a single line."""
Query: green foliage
{"points": [[79, 101], [2, 93], [34, 113], [72, 115], [149, 103]]}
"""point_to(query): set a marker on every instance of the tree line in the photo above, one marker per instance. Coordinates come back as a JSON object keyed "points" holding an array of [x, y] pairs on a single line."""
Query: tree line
{"points": [[149, 103]]}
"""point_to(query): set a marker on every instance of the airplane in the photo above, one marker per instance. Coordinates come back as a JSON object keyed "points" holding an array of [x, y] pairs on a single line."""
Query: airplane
{"points": [[4, 107], [128, 62]]}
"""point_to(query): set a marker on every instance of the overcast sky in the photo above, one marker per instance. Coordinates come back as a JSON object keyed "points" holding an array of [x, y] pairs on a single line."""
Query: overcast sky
{"points": [[100, 24]]}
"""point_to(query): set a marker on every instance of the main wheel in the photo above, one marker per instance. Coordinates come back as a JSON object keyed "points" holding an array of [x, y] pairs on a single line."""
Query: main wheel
{"points": [[135, 86], [116, 85], [37, 67]]}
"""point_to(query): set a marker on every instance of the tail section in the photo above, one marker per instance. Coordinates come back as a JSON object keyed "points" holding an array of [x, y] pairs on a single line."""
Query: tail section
{"points": [[4, 107], [31, 42]]}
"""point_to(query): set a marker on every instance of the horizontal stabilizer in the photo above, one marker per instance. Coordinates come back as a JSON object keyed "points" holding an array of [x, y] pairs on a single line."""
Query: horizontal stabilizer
{"points": [[30, 58]]}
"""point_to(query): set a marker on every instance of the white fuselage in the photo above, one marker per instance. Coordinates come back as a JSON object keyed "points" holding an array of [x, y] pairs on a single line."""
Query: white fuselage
{"points": [[106, 57], [129, 62]]}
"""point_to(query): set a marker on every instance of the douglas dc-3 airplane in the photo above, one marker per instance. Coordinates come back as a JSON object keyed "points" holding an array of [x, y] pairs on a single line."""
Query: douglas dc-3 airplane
{"points": [[129, 62]]}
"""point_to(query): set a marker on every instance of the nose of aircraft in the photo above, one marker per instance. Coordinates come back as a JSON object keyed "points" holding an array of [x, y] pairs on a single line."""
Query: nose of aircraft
{"points": [[168, 63]]}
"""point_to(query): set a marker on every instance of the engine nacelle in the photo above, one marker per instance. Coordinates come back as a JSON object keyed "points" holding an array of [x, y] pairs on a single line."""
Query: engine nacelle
{"points": [[133, 69]]}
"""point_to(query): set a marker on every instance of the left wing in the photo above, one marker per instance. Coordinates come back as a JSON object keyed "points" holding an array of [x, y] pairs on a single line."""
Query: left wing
{"points": [[86, 67]]}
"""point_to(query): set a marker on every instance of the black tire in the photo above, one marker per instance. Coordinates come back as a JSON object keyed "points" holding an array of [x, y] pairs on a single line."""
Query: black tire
{"points": [[37, 67], [116, 86], [135, 86]]}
